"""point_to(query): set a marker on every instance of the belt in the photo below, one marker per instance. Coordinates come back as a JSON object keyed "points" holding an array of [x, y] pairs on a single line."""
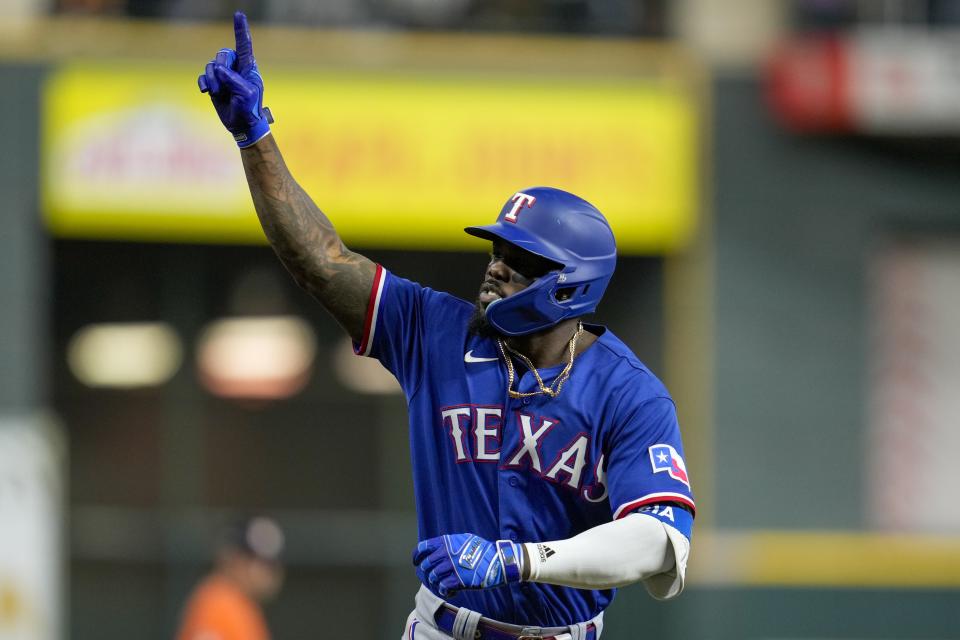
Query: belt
{"points": [[488, 629]]}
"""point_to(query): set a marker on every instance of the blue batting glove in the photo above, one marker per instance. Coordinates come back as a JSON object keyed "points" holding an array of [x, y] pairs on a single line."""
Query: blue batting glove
{"points": [[450, 563], [236, 88]]}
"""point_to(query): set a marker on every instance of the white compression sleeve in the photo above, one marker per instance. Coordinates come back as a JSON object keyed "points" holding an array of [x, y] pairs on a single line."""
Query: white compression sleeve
{"points": [[610, 555]]}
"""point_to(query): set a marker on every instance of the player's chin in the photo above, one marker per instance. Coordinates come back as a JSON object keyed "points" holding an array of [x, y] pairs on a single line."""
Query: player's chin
{"points": [[479, 325]]}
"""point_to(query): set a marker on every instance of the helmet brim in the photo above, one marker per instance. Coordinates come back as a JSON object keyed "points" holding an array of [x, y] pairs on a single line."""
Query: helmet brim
{"points": [[519, 237]]}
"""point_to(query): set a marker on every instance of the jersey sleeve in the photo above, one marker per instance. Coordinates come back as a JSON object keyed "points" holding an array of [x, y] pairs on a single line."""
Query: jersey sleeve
{"points": [[645, 459], [398, 311]]}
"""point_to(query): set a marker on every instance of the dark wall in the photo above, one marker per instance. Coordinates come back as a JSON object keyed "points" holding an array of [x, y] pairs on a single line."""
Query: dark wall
{"points": [[22, 253], [796, 221]]}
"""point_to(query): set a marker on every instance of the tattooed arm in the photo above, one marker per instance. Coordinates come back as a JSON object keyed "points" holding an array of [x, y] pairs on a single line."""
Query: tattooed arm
{"points": [[304, 238]]}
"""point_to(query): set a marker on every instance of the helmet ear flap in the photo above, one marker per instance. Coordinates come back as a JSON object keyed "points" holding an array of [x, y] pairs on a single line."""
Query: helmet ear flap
{"points": [[543, 304], [527, 311]]}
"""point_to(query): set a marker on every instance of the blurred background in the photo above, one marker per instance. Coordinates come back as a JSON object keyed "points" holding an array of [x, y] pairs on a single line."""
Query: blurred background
{"points": [[782, 177]]}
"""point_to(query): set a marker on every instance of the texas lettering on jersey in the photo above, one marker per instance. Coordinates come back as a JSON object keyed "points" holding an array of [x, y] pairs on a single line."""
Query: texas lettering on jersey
{"points": [[476, 435]]}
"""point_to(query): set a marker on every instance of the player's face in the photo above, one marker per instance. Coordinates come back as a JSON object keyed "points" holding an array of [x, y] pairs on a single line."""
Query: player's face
{"points": [[509, 271]]}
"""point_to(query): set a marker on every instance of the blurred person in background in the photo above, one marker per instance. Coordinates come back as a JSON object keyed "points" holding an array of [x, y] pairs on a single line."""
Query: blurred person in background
{"points": [[226, 605]]}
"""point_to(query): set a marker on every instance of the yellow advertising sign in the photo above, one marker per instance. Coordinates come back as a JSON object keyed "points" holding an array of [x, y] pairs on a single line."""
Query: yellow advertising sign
{"points": [[396, 160]]}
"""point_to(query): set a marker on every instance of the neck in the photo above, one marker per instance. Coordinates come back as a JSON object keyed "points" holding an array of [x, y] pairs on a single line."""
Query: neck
{"points": [[551, 347], [236, 577]]}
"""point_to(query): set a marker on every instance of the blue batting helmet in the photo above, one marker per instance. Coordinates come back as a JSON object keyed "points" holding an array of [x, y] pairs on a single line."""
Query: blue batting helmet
{"points": [[564, 229]]}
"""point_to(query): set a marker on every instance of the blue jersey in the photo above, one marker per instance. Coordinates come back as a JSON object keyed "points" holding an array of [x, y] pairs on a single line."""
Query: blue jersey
{"points": [[527, 469]]}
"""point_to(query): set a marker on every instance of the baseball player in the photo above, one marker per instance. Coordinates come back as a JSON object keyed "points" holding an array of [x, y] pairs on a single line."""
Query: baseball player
{"points": [[548, 466]]}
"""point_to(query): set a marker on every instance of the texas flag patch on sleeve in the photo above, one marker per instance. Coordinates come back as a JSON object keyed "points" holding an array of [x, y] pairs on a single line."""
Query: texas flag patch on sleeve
{"points": [[664, 457]]}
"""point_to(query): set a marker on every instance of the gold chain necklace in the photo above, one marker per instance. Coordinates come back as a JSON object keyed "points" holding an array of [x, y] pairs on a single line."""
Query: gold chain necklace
{"points": [[554, 389]]}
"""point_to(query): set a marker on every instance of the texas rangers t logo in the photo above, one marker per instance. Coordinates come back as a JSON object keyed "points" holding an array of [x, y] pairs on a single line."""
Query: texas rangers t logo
{"points": [[519, 200], [663, 457]]}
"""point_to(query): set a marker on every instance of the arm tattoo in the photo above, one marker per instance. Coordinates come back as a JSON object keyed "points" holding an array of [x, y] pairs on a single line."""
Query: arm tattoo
{"points": [[304, 238]]}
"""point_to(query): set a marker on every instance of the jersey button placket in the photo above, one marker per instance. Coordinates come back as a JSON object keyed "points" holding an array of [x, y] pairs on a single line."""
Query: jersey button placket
{"points": [[514, 505], [510, 506]]}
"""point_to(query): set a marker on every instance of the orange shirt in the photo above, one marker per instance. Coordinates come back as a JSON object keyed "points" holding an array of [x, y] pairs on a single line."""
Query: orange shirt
{"points": [[218, 610]]}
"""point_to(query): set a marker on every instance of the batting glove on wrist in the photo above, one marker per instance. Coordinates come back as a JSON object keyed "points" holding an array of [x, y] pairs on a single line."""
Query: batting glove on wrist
{"points": [[236, 88], [450, 563]]}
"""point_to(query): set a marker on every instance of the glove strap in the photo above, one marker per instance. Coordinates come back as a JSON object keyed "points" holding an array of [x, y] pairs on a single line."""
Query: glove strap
{"points": [[512, 560], [246, 138]]}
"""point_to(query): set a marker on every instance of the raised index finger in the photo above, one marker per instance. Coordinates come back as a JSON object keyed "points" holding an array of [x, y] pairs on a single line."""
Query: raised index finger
{"points": [[241, 31]]}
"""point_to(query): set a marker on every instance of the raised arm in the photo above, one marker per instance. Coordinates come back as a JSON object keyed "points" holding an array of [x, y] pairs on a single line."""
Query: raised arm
{"points": [[305, 240], [302, 236]]}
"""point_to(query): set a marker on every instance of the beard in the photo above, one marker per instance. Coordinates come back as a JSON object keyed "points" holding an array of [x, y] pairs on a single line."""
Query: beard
{"points": [[479, 325]]}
